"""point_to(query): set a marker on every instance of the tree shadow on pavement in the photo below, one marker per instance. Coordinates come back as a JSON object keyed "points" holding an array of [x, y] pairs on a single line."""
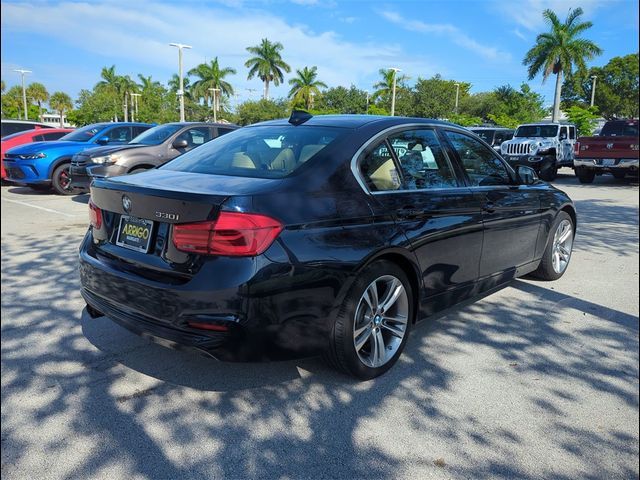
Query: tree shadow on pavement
{"points": [[84, 398]]}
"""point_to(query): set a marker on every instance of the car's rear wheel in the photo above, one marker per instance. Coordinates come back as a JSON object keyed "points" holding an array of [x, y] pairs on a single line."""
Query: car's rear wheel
{"points": [[557, 253], [585, 175], [61, 180], [373, 324]]}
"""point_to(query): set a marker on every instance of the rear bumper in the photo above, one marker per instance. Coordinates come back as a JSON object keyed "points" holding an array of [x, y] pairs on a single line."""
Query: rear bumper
{"points": [[629, 164], [247, 295]]}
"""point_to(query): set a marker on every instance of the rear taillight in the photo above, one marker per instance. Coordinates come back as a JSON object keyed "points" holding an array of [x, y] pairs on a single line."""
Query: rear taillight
{"points": [[576, 148], [232, 234], [95, 216]]}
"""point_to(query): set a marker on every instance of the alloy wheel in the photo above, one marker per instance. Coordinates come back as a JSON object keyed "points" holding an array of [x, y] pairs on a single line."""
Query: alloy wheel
{"points": [[562, 244], [380, 322]]}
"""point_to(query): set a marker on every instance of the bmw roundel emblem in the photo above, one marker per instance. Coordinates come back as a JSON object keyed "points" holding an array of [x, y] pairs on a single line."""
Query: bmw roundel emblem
{"points": [[126, 203]]}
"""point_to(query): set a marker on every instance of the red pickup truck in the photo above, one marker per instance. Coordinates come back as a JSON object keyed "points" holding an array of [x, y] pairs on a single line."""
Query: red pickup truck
{"points": [[614, 151]]}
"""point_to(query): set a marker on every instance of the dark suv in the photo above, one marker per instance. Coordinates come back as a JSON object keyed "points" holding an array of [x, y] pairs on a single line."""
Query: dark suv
{"points": [[148, 150], [494, 136]]}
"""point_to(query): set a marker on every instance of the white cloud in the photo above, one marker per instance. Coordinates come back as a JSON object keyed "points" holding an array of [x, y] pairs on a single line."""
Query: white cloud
{"points": [[519, 34], [454, 34], [139, 34], [528, 13]]}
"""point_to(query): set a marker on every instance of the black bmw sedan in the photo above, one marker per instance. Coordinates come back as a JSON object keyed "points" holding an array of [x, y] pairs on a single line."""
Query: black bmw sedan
{"points": [[330, 234]]}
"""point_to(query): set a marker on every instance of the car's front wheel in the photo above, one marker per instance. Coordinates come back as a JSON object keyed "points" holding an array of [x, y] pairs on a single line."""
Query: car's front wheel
{"points": [[61, 180], [373, 324]]}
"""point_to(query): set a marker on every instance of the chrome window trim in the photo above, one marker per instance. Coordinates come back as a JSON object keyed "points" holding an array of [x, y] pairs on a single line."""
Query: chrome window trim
{"points": [[382, 135]]}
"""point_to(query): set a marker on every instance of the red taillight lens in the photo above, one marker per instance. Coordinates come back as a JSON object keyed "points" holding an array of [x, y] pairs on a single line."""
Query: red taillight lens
{"points": [[209, 326], [232, 234], [95, 216], [576, 148]]}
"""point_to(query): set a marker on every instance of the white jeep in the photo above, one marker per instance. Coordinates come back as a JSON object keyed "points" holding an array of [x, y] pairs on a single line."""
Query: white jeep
{"points": [[545, 147]]}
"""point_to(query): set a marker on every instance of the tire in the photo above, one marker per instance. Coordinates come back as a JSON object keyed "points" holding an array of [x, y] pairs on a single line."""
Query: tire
{"points": [[549, 171], [382, 278], [619, 175], [555, 260], [585, 175], [61, 180]]}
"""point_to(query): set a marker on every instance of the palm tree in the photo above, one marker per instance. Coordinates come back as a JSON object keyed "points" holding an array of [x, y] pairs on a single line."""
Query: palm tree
{"points": [[60, 102], [384, 88], [558, 50], [111, 83], [211, 76], [147, 83], [267, 64], [38, 93], [127, 87], [305, 86]]}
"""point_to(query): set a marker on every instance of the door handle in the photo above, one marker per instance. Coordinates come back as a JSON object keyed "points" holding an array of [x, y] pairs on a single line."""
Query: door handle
{"points": [[409, 212], [489, 207]]}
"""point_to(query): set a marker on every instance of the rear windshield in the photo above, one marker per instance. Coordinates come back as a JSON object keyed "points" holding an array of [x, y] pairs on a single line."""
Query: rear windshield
{"points": [[486, 135], [536, 131], [156, 135], [263, 152], [619, 129], [84, 134]]}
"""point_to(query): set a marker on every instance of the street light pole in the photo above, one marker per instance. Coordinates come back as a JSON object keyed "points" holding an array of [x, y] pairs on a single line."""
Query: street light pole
{"points": [[22, 73], [134, 100], [393, 95], [593, 89], [457, 96], [180, 46], [215, 103]]}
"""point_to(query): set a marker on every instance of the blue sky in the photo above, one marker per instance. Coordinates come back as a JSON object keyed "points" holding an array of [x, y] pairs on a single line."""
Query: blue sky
{"points": [[66, 44]]}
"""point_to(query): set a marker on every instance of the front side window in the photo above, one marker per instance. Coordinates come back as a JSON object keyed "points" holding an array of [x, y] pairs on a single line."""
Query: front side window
{"points": [[273, 151], [483, 167], [195, 136]]}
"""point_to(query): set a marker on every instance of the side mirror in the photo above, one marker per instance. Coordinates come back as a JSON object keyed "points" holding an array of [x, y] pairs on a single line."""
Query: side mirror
{"points": [[526, 175], [102, 140], [180, 143]]}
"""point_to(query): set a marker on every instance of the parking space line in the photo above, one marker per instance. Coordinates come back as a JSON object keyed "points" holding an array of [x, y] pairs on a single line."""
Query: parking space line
{"points": [[70, 215]]}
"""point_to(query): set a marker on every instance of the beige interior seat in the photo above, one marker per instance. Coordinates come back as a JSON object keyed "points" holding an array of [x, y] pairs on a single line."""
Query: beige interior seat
{"points": [[242, 160], [385, 177], [309, 151], [285, 160]]}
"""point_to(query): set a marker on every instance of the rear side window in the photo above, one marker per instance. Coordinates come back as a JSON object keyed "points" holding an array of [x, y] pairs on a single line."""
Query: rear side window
{"points": [[483, 167], [265, 152], [619, 129]]}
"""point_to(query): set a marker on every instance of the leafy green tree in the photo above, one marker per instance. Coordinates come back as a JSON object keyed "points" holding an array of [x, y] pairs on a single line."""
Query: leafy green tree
{"points": [[60, 102], [2, 86], [465, 120], [436, 97], [514, 107], [258, 111], [12, 102], [584, 119], [111, 86], [267, 64], [305, 87], [616, 88], [39, 94], [211, 76], [559, 50], [343, 100]]}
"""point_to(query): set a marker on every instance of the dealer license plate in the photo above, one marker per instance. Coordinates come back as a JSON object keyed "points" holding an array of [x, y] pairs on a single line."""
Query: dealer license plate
{"points": [[134, 233]]}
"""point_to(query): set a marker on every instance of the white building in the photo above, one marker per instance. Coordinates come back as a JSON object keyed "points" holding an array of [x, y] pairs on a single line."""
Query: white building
{"points": [[53, 119]]}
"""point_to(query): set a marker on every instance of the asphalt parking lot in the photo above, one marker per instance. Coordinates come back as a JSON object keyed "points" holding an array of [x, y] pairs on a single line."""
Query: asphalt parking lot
{"points": [[539, 380]]}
